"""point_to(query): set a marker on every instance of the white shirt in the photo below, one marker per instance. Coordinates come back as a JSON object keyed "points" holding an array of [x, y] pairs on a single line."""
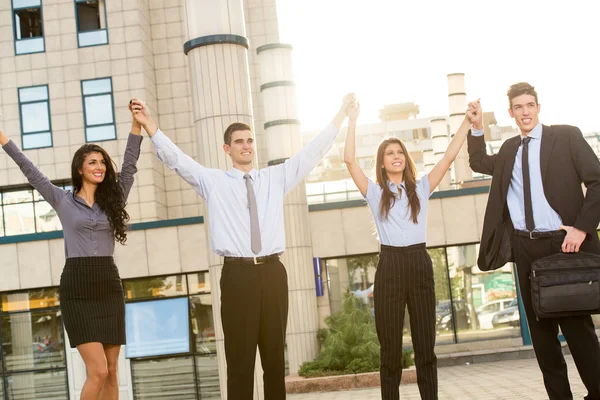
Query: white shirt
{"points": [[227, 197]]}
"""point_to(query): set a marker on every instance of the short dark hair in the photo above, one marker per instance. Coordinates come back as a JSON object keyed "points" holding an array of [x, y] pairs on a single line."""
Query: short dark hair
{"points": [[236, 126], [519, 89]]}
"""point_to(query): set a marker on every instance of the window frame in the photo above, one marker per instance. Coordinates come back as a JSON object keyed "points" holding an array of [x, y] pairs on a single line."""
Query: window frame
{"points": [[112, 99], [63, 183], [14, 23], [49, 116], [75, 2]]}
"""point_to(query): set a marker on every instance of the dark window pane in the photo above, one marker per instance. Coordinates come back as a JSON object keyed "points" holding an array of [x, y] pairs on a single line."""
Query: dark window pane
{"points": [[171, 378], [18, 219], [28, 23], [46, 218], [47, 385], [32, 340], [202, 324], [208, 377], [88, 16], [32, 299], [165, 286]]}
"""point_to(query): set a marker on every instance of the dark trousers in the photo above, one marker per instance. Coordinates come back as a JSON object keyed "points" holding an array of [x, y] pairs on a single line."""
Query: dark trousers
{"points": [[404, 277], [254, 309], [578, 331]]}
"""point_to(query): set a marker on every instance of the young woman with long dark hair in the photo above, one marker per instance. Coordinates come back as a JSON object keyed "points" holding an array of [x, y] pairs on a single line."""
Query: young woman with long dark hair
{"points": [[93, 217], [404, 277]]}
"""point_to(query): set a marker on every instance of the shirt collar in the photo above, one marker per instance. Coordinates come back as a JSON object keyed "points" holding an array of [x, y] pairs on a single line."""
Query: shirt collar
{"points": [[536, 133], [392, 184], [236, 173]]}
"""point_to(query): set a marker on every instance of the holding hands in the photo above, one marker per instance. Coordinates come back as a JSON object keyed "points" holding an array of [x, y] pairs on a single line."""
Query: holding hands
{"points": [[141, 115]]}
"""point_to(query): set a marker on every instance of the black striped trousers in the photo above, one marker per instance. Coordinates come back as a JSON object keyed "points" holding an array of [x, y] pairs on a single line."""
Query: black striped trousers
{"points": [[404, 277]]}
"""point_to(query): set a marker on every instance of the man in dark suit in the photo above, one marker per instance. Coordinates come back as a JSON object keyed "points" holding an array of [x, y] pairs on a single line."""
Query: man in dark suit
{"points": [[536, 207]]}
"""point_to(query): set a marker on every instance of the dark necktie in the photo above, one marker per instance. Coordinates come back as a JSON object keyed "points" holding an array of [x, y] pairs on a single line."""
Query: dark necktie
{"points": [[255, 244], [529, 223]]}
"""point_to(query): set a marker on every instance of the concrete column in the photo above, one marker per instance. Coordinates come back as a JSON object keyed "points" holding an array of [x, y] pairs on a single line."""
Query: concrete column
{"points": [[22, 351], [457, 98], [218, 60], [282, 132], [428, 160], [439, 144]]}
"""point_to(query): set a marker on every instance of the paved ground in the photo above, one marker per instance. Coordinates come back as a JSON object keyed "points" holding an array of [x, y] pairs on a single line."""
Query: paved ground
{"points": [[502, 380]]}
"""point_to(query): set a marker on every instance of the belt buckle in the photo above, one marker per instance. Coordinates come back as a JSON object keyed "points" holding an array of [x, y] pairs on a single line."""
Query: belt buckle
{"points": [[531, 236], [256, 261]]}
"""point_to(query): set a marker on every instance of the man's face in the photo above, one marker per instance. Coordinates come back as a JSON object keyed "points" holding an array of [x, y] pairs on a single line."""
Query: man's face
{"points": [[525, 110], [241, 149]]}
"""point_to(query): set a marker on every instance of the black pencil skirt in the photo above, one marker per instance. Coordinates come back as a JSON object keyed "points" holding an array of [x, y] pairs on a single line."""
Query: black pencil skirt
{"points": [[92, 302]]}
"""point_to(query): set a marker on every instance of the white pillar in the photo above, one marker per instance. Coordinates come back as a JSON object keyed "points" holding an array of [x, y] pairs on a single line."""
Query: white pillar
{"points": [[282, 132], [457, 99], [217, 50], [439, 144], [428, 160]]}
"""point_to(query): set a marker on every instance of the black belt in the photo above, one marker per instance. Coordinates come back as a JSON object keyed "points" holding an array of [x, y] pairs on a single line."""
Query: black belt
{"points": [[540, 235], [252, 260]]}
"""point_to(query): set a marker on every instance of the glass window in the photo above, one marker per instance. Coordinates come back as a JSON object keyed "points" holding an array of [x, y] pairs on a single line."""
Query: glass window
{"points": [[167, 378], [479, 298], [162, 286], [32, 299], [98, 108], [199, 282], [91, 22], [202, 324], [37, 385], [28, 26], [36, 129], [25, 211], [32, 341]]}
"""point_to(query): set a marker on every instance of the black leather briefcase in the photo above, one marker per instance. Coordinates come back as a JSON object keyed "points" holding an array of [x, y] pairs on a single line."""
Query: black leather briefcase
{"points": [[566, 284]]}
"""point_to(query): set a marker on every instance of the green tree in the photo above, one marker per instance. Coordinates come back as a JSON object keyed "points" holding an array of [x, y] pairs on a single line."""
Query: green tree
{"points": [[350, 343]]}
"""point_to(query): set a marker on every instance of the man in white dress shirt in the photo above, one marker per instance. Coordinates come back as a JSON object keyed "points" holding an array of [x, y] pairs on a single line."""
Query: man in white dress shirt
{"points": [[245, 213]]}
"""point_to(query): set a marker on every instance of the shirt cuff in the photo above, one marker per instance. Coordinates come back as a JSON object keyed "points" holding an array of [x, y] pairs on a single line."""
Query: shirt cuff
{"points": [[476, 132], [159, 138]]}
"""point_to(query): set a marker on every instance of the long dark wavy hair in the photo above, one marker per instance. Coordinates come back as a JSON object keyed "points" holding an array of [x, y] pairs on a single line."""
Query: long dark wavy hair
{"points": [[109, 195], [388, 199]]}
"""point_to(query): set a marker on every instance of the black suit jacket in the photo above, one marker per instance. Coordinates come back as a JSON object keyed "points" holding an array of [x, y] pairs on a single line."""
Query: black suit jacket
{"points": [[566, 160]]}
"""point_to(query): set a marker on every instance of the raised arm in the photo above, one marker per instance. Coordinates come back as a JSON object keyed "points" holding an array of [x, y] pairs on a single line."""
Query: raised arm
{"points": [[356, 172], [301, 163], [51, 193], [199, 177], [132, 153], [439, 170], [479, 160]]}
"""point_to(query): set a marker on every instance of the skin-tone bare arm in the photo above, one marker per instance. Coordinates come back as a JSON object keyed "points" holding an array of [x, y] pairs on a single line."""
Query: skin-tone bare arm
{"points": [[439, 170], [356, 172]]}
